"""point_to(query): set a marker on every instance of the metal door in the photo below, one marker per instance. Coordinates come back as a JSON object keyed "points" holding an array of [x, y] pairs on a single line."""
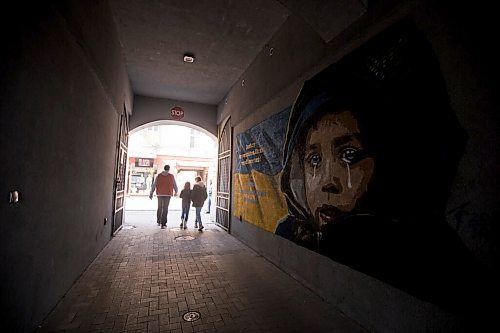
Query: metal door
{"points": [[223, 201], [120, 179]]}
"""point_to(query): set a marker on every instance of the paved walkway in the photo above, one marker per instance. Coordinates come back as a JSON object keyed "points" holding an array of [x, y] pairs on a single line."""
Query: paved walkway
{"points": [[147, 278], [142, 202]]}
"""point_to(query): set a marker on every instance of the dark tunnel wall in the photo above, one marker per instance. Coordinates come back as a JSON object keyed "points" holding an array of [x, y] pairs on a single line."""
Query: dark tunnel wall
{"points": [[63, 85], [460, 38]]}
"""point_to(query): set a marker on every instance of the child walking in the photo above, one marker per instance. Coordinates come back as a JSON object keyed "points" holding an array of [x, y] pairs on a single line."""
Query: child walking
{"points": [[186, 202], [198, 197]]}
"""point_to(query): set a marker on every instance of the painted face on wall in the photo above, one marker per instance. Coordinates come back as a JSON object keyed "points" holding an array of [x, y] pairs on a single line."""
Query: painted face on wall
{"points": [[337, 170]]}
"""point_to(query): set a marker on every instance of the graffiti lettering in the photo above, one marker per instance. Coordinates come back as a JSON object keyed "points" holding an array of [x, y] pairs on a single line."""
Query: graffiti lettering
{"points": [[251, 161], [251, 153], [249, 157], [254, 192]]}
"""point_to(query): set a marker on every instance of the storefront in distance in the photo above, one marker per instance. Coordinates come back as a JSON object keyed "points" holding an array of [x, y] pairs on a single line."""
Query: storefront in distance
{"points": [[141, 174]]}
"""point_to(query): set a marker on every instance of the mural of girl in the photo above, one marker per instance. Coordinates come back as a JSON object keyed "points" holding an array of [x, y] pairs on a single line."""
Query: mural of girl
{"points": [[370, 154]]}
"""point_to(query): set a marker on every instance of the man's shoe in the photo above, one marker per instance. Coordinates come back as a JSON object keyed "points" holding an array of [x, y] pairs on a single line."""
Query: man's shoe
{"points": [[163, 227], [207, 212], [201, 228]]}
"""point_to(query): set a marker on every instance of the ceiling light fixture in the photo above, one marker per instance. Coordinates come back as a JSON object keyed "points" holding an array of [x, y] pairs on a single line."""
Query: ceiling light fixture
{"points": [[188, 57]]}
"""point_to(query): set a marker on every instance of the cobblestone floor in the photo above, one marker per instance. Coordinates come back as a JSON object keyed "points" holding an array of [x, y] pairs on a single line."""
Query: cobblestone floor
{"points": [[147, 278]]}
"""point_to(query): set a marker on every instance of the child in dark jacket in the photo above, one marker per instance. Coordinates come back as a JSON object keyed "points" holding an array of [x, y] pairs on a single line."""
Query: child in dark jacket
{"points": [[186, 203], [198, 197]]}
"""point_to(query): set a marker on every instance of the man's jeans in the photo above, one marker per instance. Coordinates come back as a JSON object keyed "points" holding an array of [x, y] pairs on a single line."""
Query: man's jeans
{"points": [[161, 214]]}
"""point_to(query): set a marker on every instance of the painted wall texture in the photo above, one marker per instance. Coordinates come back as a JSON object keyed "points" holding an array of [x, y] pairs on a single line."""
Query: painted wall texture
{"points": [[256, 195], [63, 86], [376, 119], [371, 169]]}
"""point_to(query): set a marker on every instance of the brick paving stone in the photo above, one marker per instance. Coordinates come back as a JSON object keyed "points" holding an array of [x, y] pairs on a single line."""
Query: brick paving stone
{"points": [[144, 280]]}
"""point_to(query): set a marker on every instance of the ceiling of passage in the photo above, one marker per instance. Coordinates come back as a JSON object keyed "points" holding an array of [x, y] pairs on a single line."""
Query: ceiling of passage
{"points": [[224, 36]]}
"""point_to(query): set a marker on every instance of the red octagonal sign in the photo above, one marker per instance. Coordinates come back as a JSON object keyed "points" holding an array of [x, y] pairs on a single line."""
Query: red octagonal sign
{"points": [[177, 112]]}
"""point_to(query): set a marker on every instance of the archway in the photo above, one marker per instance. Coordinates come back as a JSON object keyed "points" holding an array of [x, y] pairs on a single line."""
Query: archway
{"points": [[172, 122], [188, 149]]}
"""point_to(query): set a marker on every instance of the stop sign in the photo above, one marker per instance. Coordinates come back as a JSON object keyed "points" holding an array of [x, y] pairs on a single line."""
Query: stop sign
{"points": [[177, 112]]}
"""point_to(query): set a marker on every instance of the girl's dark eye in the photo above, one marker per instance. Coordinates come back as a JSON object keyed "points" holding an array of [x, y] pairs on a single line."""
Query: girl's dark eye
{"points": [[314, 160], [350, 155]]}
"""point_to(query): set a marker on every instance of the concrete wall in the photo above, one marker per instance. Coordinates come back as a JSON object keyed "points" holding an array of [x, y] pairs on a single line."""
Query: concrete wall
{"points": [[461, 39], [63, 86], [150, 109]]}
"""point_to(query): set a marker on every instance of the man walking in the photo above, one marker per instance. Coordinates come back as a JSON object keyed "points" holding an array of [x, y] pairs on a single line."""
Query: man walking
{"points": [[165, 187], [209, 197]]}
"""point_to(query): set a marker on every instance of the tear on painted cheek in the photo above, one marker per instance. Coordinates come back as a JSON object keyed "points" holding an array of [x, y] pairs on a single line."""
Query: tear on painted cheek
{"points": [[349, 185], [314, 171]]}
